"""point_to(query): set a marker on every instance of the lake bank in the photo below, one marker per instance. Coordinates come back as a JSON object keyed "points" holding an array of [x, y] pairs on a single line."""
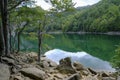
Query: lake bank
{"points": [[26, 67], [82, 32]]}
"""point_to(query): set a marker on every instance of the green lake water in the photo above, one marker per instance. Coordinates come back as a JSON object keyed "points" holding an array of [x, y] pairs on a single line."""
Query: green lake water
{"points": [[101, 46]]}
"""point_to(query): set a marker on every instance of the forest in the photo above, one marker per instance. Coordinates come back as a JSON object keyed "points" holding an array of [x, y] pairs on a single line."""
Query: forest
{"points": [[101, 17]]}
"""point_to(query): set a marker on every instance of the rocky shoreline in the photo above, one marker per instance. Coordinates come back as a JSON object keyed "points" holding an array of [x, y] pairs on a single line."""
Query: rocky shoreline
{"points": [[26, 67]]}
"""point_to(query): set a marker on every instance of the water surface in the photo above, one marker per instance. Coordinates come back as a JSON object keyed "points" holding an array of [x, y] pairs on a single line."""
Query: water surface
{"points": [[98, 48]]}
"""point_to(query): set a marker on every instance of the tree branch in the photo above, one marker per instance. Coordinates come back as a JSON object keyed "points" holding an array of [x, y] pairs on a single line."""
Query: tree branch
{"points": [[14, 6], [24, 27]]}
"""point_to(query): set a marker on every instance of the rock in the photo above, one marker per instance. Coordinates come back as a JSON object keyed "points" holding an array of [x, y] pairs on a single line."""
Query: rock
{"points": [[84, 72], [4, 72], [34, 73], [50, 62], [109, 78], [32, 54], [105, 74], [65, 66], [118, 78], [73, 77], [78, 66], [18, 78], [92, 71], [26, 78], [8, 60], [45, 64], [58, 76], [89, 77]]}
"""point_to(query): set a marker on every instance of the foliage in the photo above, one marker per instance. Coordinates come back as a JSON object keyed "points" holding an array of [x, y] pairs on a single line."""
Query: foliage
{"points": [[61, 5], [116, 59], [101, 17]]}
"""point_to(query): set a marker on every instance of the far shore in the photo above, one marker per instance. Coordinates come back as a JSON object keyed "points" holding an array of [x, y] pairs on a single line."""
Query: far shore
{"points": [[82, 32]]}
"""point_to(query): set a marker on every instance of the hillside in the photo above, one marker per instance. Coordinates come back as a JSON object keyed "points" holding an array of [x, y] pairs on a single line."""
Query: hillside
{"points": [[101, 17]]}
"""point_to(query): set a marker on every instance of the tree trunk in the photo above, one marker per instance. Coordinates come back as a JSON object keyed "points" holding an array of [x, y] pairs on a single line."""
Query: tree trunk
{"points": [[19, 33], [39, 44], [18, 46], [1, 41], [5, 29]]}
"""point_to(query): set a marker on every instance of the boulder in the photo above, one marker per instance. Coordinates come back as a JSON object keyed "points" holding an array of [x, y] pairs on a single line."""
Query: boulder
{"points": [[77, 66], [8, 60], [34, 73], [4, 72], [73, 77], [65, 66]]}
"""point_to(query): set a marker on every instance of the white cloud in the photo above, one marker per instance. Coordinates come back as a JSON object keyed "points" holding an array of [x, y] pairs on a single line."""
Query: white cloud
{"points": [[43, 4], [84, 2], [47, 6]]}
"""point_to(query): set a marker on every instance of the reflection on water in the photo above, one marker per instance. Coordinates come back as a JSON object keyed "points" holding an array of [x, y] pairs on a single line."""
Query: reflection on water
{"points": [[82, 57], [96, 45]]}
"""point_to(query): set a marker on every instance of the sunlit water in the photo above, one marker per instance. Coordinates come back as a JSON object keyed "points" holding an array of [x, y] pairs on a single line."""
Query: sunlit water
{"points": [[82, 57]]}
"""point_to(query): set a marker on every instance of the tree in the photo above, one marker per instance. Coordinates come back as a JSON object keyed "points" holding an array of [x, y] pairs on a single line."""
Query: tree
{"points": [[4, 27], [5, 8]]}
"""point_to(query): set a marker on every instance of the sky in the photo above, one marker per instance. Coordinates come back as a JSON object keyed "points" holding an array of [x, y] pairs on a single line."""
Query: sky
{"points": [[79, 3]]}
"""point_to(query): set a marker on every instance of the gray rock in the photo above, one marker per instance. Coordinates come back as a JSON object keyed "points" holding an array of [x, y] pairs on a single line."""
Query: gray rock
{"points": [[78, 66], [109, 78], [8, 60], [73, 77], [92, 71], [66, 66], [4, 72], [89, 77], [50, 62], [18, 78], [34, 73], [118, 78], [45, 64], [104, 74]]}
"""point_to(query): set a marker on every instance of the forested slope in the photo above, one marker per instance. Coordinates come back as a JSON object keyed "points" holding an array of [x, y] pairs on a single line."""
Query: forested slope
{"points": [[101, 17]]}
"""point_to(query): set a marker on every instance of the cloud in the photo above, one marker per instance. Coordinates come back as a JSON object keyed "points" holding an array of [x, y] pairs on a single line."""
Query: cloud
{"points": [[43, 4], [47, 6], [84, 2]]}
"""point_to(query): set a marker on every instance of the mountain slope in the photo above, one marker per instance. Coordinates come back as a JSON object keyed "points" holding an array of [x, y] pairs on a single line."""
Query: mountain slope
{"points": [[101, 17]]}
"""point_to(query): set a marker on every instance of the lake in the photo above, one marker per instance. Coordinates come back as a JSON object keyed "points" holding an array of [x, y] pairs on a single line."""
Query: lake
{"points": [[99, 46]]}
